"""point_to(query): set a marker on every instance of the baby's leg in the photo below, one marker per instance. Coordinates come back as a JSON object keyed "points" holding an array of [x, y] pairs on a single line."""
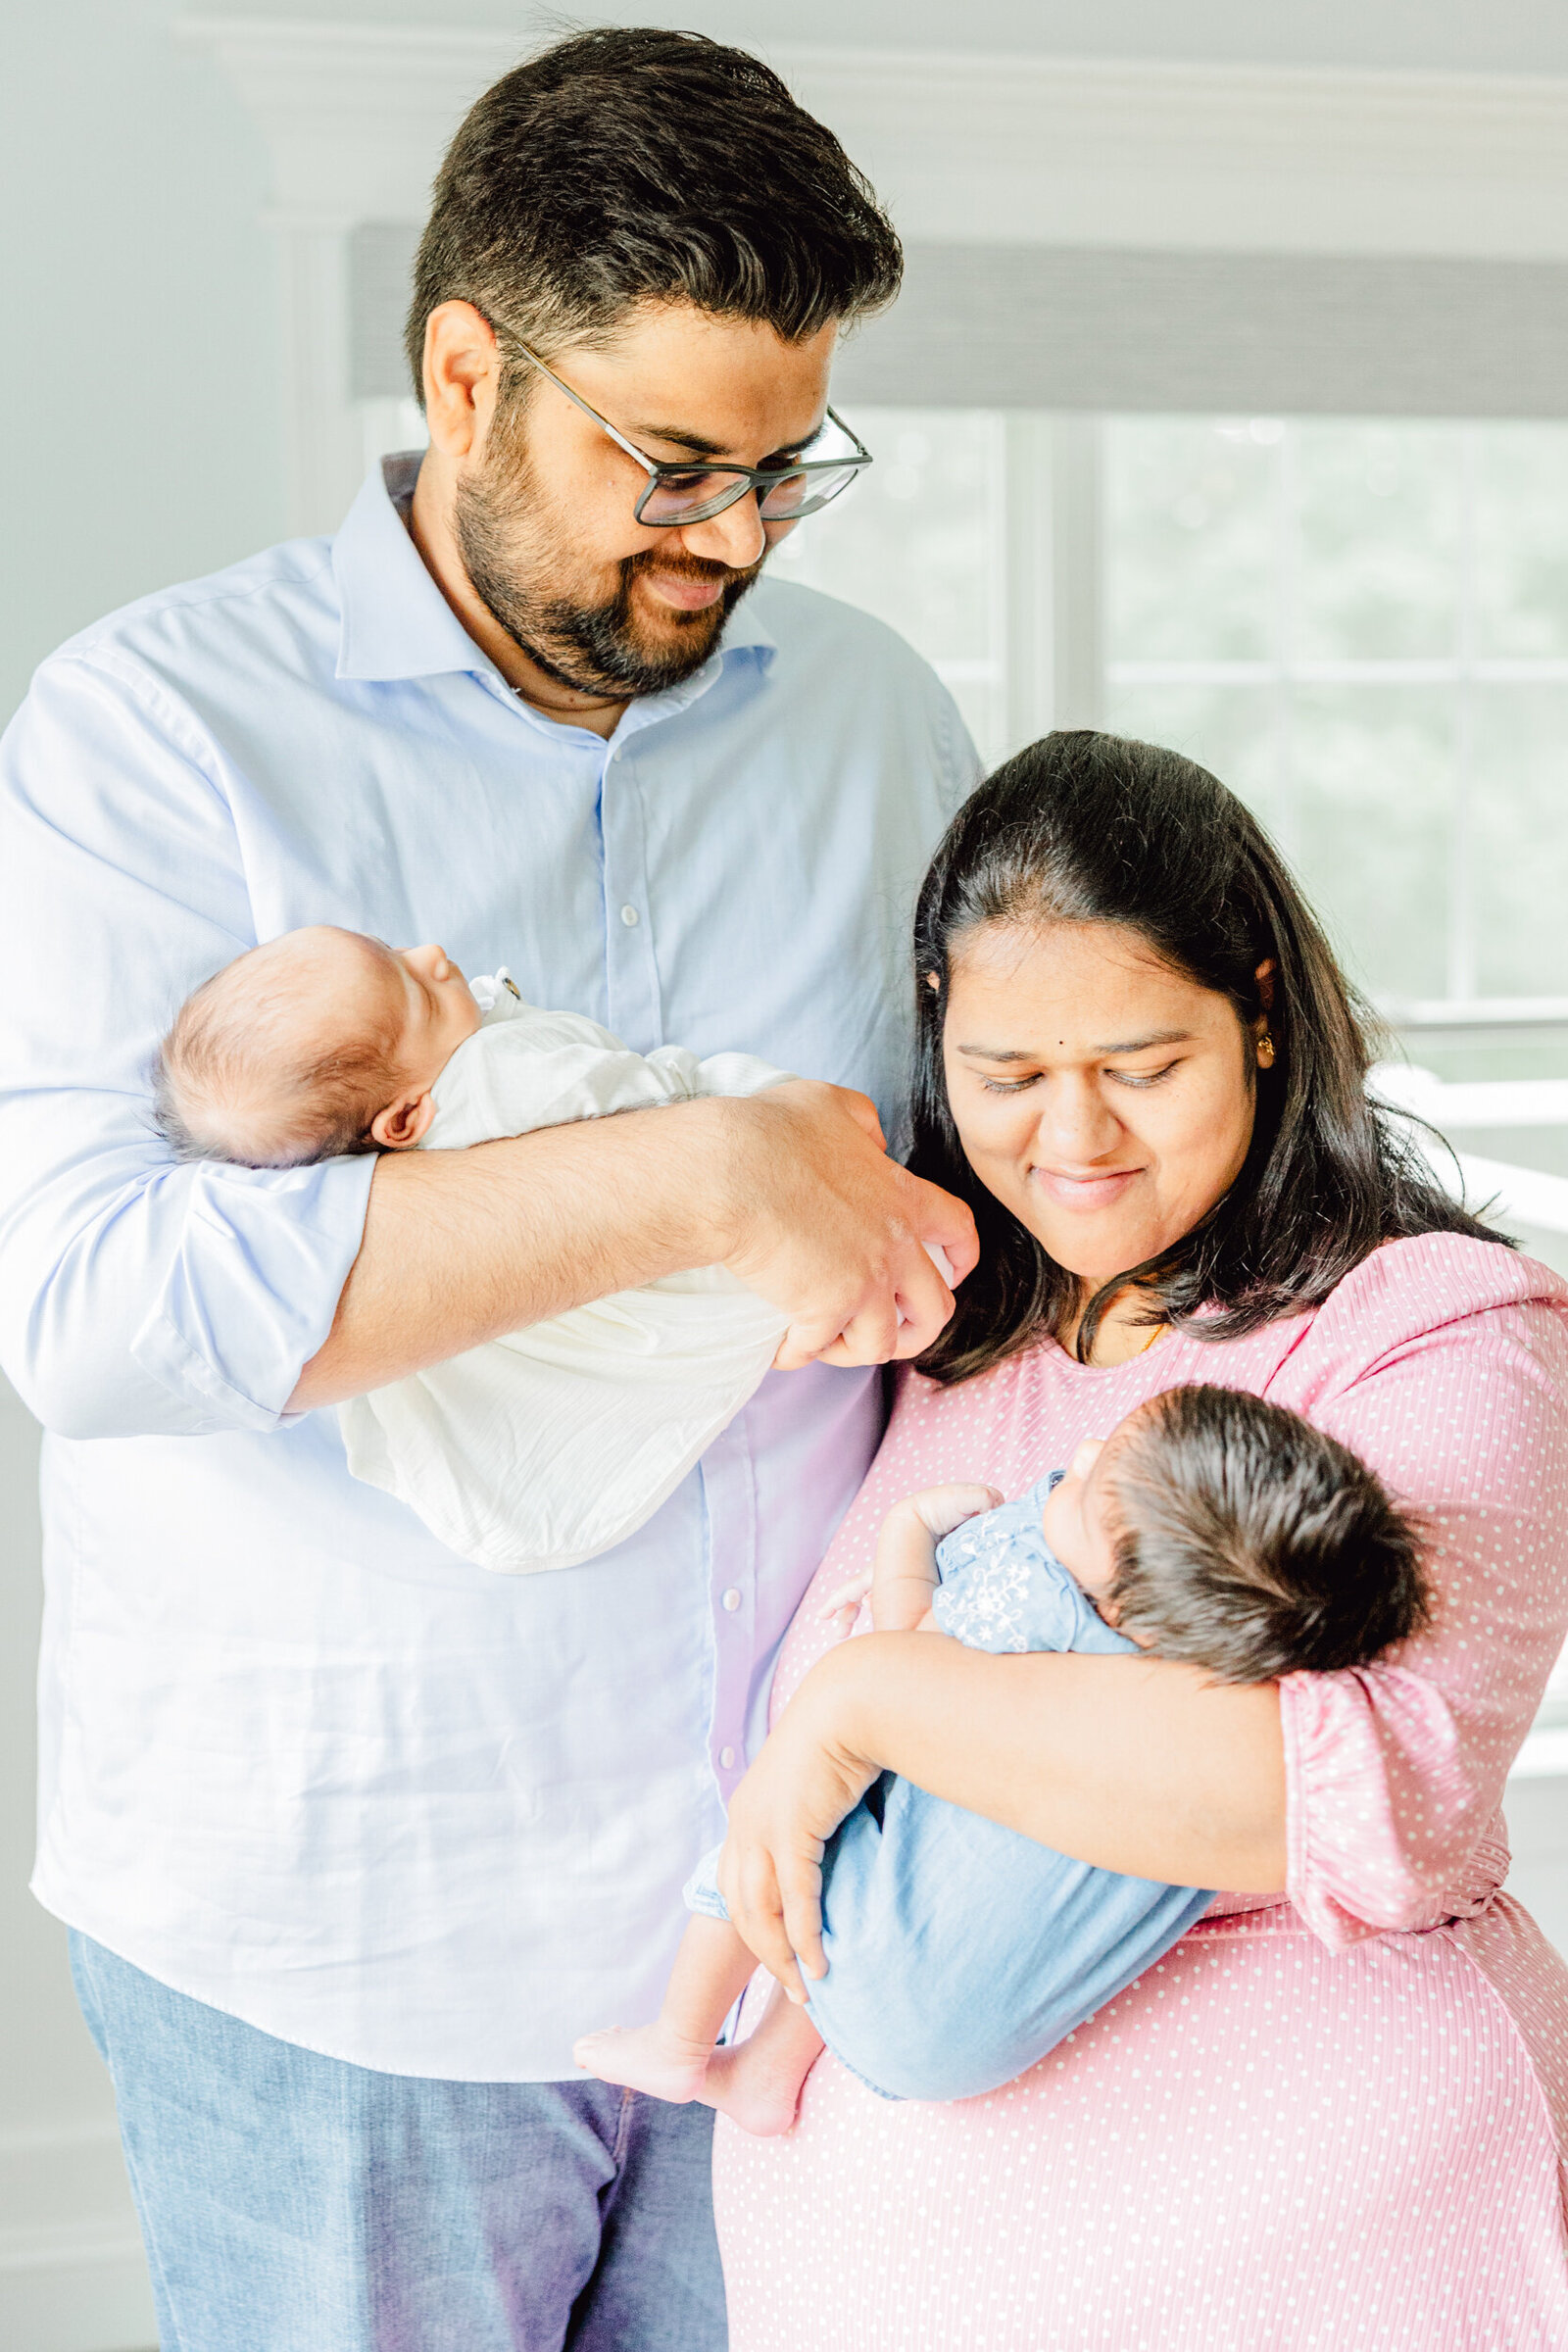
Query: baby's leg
{"points": [[671, 2057]]}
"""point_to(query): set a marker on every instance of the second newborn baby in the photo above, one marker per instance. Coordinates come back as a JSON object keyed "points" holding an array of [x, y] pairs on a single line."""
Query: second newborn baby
{"points": [[543, 1448]]}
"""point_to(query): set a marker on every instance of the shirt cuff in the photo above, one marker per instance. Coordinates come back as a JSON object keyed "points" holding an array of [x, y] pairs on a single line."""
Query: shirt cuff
{"points": [[254, 1285]]}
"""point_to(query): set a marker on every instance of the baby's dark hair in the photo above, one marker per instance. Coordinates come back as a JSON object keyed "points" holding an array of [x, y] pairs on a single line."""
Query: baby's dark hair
{"points": [[1254, 1545]]}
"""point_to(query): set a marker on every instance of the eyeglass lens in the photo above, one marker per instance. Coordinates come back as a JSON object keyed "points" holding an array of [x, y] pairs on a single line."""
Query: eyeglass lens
{"points": [[695, 496]]}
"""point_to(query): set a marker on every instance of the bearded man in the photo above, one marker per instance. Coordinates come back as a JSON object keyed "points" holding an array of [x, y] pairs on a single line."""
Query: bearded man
{"points": [[355, 1837]]}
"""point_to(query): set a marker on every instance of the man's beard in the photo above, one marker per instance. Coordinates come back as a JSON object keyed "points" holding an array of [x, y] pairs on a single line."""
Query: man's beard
{"points": [[590, 648]]}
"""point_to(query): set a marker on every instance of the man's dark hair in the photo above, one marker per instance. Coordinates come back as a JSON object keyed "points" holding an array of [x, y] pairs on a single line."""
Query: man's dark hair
{"points": [[1254, 1544], [1089, 828], [627, 164]]}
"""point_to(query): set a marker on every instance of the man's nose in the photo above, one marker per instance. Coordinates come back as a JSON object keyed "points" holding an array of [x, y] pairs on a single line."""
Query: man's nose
{"points": [[736, 537]]}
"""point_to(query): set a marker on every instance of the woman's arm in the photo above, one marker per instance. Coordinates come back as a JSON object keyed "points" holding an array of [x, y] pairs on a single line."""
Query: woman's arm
{"points": [[1134, 1764]]}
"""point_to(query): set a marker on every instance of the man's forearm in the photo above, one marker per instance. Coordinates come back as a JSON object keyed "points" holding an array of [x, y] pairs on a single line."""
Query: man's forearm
{"points": [[460, 1246], [1134, 1764]]}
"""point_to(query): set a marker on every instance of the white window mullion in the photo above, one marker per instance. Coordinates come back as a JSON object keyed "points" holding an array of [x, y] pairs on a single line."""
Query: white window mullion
{"points": [[1077, 600]]}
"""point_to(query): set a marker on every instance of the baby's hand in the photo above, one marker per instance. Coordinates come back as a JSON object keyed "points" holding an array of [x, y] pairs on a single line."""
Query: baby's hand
{"points": [[843, 1604], [939, 1509]]}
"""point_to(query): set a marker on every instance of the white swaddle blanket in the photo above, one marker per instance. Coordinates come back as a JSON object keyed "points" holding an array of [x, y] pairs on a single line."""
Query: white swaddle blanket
{"points": [[543, 1448]]}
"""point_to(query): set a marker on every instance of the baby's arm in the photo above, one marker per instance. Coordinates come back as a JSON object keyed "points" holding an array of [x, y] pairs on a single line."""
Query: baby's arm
{"points": [[905, 1579]]}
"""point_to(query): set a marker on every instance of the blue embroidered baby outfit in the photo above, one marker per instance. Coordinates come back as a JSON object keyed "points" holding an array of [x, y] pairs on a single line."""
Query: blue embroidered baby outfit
{"points": [[959, 1951]]}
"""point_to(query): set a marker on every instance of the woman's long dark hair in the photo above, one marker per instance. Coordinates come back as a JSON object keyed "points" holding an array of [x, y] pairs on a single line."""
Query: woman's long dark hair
{"points": [[1089, 828]]}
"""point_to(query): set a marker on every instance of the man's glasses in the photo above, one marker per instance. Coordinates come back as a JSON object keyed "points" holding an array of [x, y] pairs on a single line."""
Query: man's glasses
{"points": [[694, 492]]}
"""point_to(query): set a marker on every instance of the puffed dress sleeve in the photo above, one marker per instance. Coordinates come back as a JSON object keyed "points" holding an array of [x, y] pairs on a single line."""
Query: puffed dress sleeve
{"points": [[1444, 1363]]}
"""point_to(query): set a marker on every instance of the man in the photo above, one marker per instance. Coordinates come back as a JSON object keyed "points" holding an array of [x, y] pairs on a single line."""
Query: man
{"points": [[353, 1836]]}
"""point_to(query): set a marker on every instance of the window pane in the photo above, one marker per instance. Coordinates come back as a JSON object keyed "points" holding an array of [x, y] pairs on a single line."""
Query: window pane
{"points": [[1522, 541], [1517, 846], [919, 541], [1375, 575], [1191, 513], [1371, 828]]}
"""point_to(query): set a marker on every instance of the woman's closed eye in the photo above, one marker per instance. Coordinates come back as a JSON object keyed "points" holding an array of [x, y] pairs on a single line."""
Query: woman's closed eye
{"points": [[1136, 1078]]}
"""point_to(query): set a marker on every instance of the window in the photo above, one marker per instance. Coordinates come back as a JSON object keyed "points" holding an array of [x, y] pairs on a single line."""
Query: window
{"points": [[1361, 627]]}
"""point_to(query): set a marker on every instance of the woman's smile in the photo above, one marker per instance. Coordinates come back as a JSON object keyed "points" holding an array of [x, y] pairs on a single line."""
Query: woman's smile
{"points": [[1096, 1189], [1102, 1097]]}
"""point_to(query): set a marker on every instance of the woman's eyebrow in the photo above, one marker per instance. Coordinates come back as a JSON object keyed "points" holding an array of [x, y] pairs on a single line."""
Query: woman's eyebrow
{"points": [[1142, 1044], [1132, 1045]]}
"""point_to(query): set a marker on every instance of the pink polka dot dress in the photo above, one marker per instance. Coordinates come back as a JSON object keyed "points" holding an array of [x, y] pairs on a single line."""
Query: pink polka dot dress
{"points": [[1328, 2120]]}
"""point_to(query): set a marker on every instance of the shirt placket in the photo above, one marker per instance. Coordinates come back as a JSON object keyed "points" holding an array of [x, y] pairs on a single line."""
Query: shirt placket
{"points": [[729, 1491], [631, 971]]}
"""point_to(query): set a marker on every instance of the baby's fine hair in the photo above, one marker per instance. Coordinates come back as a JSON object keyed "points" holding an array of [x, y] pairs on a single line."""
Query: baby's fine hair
{"points": [[1254, 1545], [238, 1043]]}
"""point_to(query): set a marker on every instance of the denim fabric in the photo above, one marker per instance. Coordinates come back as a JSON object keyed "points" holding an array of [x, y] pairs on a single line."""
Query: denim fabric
{"points": [[960, 1952], [295, 2203]]}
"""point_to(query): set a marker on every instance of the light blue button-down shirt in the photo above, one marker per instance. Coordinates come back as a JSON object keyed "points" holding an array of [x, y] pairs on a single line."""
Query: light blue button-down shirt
{"points": [[299, 1760]]}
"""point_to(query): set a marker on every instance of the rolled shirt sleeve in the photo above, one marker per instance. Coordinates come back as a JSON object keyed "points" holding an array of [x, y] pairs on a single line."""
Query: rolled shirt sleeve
{"points": [[137, 1297], [1395, 1771]]}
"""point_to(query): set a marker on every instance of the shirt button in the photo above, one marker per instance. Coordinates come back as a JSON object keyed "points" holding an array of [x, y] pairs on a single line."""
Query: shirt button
{"points": [[731, 1600], [726, 1756], [630, 917]]}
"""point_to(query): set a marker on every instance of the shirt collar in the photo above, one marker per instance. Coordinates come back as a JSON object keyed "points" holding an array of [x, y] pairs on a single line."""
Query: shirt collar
{"points": [[396, 623]]}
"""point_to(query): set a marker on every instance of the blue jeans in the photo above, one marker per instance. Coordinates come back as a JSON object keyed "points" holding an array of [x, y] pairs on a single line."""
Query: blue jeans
{"points": [[294, 2203]]}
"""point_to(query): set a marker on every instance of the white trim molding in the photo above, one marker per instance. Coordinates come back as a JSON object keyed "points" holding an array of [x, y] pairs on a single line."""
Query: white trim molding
{"points": [[968, 145], [1081, 156]]}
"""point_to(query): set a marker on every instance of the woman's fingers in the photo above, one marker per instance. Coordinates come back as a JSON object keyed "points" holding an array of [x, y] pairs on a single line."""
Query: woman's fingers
{"points": [[756, 1915], [803, 1912]]}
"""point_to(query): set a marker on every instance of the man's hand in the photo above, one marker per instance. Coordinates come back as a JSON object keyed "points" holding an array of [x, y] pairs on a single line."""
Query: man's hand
{"points": [[835, 1233]]}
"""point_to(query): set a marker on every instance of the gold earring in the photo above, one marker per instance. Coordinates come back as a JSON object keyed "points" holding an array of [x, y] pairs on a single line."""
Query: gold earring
{"points": [[1266, 1052]]}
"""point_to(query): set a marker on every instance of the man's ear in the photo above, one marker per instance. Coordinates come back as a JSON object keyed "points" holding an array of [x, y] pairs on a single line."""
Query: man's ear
{"points": [[405, 1122], [461, 373]]}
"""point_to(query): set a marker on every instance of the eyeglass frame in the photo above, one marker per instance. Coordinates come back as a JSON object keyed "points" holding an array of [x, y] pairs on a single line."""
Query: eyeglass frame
{"points": [[747, 477]]}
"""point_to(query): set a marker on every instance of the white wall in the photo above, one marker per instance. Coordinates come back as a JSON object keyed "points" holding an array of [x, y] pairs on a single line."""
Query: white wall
{"points": [[138, 398]]}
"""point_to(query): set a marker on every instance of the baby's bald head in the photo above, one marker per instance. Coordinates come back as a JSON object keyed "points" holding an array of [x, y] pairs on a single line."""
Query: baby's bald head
{"points": [[288, 1054]]}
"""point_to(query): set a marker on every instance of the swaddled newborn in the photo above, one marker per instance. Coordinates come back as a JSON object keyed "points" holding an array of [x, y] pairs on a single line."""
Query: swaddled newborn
{"points": [[543, 1448]]}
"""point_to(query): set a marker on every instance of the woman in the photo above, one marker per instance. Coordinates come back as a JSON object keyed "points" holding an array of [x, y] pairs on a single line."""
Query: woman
{"points": [[1333, 2115]]}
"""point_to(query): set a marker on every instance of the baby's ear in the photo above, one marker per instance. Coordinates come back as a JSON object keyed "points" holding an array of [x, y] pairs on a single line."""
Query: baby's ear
{"points": [[405, 1122]]}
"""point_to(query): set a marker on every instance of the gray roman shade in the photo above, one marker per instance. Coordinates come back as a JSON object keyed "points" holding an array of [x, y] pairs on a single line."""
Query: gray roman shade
{"points": [[1036, 326]]}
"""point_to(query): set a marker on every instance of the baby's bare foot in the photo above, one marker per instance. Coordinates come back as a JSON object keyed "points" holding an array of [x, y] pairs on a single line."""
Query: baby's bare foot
{"points": [[748, 2086], [647, 2058]]}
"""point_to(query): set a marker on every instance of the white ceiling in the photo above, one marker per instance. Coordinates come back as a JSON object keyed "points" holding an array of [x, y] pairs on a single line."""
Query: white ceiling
{"points": [[1500, 37]]}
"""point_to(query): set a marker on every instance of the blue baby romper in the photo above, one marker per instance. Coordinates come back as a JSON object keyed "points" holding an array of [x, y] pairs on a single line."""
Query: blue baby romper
{"points": [[959, 1951]]}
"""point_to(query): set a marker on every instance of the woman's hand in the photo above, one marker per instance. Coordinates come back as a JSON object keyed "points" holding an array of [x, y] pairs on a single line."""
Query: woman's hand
{"points": [[808, 1777]]}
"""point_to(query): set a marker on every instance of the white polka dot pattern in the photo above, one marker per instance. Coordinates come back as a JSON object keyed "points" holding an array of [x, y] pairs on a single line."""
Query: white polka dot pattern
{"points": [[1333, 2121]]}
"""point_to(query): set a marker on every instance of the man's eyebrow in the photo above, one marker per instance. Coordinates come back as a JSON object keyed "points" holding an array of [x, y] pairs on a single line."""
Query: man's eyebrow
{"points": [[697, 443], [1131, 1045], [701, 446]]}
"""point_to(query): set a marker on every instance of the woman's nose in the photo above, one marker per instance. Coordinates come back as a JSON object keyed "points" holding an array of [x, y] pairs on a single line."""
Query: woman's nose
{"points": [[1076, 1125]]}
